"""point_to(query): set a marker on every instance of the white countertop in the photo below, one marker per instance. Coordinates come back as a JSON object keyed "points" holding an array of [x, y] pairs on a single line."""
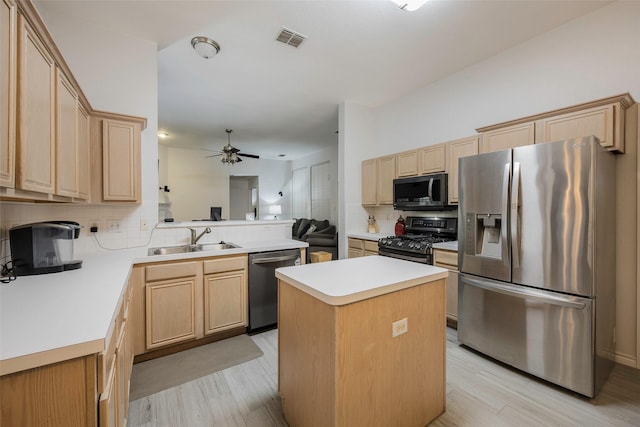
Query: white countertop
{"points": [[369, 236], [350, 280], [52, 317], [449, 246], [58, 311]]}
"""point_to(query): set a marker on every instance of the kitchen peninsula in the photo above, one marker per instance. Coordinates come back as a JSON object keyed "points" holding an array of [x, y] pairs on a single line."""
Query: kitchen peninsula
{"points": [[361, 342]]}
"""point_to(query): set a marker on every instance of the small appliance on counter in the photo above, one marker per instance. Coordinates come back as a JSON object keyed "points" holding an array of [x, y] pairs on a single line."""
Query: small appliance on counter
{"points": [[43, 247]]}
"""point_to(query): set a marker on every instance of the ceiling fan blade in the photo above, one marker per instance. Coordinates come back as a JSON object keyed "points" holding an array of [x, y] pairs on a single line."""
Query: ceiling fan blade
{"points": [[207, 149], [238, 160], [253, 156], [213, 155]]}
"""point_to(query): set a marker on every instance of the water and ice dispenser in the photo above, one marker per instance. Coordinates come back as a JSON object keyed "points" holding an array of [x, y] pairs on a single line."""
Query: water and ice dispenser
{"points": [[484, 235]]}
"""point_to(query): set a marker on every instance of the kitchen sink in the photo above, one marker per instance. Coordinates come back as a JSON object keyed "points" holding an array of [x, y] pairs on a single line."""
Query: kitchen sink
{"points": [[201, 247]]}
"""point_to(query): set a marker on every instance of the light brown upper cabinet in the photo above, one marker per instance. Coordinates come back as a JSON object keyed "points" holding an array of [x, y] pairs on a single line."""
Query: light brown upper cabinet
{"points": [[8, 59], [508, 137], [377, 180], [84, 159], [386, 175], [407, 163], [115, 158], [603, 118], [606, 122], [457, 149], [433, 159], [66, 138], [369, 177], [36, 113]]}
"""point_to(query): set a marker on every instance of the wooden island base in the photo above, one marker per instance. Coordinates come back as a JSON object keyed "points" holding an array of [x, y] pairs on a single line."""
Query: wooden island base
{"points": [[340, 366]]}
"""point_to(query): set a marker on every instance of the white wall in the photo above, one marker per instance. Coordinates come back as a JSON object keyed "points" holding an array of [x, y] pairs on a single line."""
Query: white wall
{"points": [[592, 57], [197, 183], [117, 74]]}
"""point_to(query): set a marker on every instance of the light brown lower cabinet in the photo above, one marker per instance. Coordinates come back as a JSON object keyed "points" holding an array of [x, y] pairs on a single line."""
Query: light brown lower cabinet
{"points": [[449, 260], [362, 247], [189, 300]]}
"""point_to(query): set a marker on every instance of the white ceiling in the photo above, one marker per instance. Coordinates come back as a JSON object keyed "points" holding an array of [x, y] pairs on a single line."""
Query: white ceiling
{"points": [[279, 99]]}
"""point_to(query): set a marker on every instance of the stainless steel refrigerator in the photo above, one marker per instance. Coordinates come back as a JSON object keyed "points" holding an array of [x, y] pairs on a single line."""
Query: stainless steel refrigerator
{"points": [[536, 255]]}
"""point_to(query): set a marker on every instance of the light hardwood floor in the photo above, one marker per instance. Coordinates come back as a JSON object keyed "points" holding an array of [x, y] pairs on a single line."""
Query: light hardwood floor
{"points": [[480, 392]]}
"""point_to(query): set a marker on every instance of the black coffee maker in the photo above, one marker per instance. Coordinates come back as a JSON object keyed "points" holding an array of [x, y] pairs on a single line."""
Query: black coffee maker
{"points": [[43, 247]]}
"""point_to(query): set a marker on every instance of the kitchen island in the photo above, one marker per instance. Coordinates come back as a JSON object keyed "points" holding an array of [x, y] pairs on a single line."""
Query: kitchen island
{"points": [[361, 342]]}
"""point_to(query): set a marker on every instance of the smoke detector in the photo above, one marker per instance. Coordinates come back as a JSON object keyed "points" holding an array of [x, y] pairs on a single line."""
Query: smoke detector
{"points": [[290, 37]]}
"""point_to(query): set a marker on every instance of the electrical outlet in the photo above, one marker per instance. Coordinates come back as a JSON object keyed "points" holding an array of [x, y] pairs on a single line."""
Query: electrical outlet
{"points": [[399, 327], [113, 226], [144, 224]]}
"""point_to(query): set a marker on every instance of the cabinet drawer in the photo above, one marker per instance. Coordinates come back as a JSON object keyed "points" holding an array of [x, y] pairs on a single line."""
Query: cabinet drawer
{"points": [[225, 264], [448, 259], [371, 246], [356, 243], [171, 271]]}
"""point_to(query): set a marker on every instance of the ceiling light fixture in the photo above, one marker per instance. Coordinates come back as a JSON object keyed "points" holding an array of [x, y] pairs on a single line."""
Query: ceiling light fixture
{"points": [[409, 5], [205, 47], [163, 135]]}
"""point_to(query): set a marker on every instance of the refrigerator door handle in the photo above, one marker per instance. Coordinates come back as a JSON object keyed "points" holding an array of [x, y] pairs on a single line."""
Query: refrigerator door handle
{"points": [[430, 193], [515, 204], [505, 208], [527, 293]]}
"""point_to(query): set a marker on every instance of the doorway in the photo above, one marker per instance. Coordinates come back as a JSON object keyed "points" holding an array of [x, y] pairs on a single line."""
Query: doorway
{"points": [[243, 197]]}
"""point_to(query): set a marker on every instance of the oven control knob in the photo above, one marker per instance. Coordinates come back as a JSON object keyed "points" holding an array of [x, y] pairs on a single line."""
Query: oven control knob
{"points": [[400, 243]]}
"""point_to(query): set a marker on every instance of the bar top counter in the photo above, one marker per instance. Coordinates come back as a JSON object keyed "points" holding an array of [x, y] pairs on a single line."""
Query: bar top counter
{"points": [[350, 280]]}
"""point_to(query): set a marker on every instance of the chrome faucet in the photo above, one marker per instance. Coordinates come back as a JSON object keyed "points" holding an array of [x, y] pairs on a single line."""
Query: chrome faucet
{"points": [[194, 238]]}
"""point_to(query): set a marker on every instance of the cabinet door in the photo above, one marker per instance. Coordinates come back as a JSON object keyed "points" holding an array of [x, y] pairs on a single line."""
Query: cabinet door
{"points": [[452, 295], [120, 161], [386, 175], [407, 163], [355, 253], [508, 137], [171, 311], [108, 405], [369, 180], [122, 380], [433, 159], [457, 149], [7, 92], [66, 138], [36, 113], [225, 299], [83, 152], [605, 122]]}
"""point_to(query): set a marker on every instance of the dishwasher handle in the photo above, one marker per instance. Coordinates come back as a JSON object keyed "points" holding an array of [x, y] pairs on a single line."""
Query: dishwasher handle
{"points": [[273, 259]]}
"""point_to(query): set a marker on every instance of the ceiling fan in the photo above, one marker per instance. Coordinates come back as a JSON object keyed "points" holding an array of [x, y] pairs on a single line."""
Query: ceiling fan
{"points": [[229, 153]]}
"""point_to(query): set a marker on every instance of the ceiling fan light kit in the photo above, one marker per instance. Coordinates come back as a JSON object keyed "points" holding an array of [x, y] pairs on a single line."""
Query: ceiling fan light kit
{"points": [[206, 47]]}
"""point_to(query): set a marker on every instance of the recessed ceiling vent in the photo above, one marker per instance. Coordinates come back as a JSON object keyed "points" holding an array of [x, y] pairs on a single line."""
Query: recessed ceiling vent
{"points": [[290, 37]]}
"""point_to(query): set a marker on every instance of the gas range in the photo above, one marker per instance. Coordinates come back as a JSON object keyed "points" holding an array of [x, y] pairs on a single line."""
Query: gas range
{"points": [[417, 244]]}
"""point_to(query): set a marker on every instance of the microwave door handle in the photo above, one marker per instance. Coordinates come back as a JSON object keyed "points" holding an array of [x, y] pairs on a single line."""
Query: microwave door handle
{"points": [[515, 204], [505, 210], [430, 194]]}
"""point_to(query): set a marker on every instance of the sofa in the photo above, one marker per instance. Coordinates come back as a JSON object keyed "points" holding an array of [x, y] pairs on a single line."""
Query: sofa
{"points": [[320, 235]]}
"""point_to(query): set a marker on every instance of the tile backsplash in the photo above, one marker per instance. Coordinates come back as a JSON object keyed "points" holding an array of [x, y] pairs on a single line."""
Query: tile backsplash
{"points": [[124, 227]]}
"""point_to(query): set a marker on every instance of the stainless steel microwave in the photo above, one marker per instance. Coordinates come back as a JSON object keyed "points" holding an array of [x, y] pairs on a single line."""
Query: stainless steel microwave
{"points": [[422, 193]]}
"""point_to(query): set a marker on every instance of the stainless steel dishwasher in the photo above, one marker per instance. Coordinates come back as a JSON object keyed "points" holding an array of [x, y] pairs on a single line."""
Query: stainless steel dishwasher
{"points": [[263, 286]]}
